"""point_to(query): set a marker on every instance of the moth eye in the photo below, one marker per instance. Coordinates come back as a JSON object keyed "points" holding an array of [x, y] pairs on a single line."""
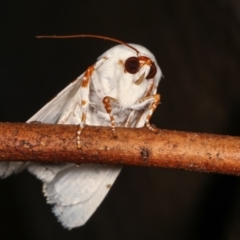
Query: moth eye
{"points": [[152, 72], [132, 65]]}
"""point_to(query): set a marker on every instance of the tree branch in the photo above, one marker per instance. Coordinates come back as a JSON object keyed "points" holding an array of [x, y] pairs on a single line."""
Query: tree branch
{"points": [[139, 147]]}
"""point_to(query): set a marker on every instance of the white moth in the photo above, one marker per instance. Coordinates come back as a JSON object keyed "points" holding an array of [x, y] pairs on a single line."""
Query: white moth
{"points": [[118, 90]]}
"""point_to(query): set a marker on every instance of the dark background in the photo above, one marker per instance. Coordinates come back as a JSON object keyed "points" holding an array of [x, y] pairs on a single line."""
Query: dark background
{"points": [[197, 45]]}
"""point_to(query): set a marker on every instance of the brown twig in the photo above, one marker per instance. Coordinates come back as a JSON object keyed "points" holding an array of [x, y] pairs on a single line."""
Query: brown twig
{"points": [[139, 147]]}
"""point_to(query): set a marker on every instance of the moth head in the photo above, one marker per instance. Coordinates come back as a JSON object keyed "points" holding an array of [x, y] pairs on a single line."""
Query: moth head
{"points": [[140, 62], [140, 65]]}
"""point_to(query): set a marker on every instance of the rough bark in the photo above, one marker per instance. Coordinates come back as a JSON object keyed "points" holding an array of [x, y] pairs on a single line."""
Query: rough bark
{"points": [[139, 147]]}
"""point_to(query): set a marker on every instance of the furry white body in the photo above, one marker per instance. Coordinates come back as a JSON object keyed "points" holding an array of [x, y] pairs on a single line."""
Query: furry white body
{"points": [[76, 192]]}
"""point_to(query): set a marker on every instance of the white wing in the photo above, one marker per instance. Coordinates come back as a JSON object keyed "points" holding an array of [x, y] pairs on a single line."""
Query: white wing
{"points": [[53, 110], [50, 113], [8, 168], [75, 192]]}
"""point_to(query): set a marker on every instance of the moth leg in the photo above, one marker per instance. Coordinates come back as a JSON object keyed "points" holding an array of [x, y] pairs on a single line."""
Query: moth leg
{"points": [[84, 91], [129, 119], [106, 100], [150, 91], [107, 105], [153, 101], [156, 100], [90, 74]]}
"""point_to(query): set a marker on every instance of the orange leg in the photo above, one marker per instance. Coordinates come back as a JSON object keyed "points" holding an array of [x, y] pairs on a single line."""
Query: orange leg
{"points": [[85, 101], [152, 108], [107, 105]]}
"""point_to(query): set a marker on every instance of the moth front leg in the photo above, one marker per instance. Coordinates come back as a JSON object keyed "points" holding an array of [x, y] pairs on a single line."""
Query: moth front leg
{"points": [[156, 100], [152, 101], [84, 92], [88, 76], [128, 121], [108, 107], [146, 98]]}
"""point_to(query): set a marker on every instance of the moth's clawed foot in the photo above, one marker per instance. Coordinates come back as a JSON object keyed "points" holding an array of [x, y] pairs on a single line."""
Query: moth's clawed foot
{"points": [[152, 128]]}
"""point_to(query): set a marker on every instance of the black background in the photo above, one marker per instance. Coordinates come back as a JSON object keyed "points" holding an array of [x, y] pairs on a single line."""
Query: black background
{"points": [[197, 45]]}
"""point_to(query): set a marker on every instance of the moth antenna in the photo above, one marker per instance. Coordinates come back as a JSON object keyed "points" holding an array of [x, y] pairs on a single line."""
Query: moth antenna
{"points": [[91, 36]]}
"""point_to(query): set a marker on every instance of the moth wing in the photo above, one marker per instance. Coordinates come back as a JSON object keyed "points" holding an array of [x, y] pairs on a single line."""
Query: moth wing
{"points": [[8, 168], [47, 171], [66, 109], [75, 192], [50, 113], [54, 109]]}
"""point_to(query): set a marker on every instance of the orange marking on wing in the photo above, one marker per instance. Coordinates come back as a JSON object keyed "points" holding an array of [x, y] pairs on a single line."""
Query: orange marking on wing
{"points": [[83, 117], [86, 77], [84, 102], [120, 62]]}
